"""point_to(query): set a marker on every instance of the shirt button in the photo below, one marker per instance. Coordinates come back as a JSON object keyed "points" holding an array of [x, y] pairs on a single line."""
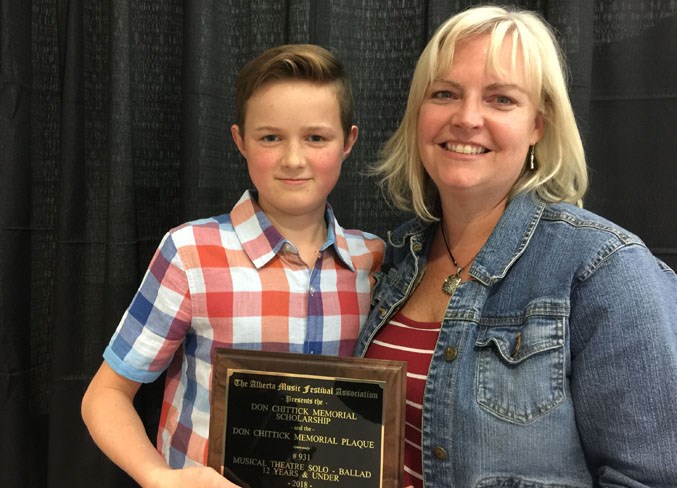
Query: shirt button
{"points": [[417, 247], [440, 453], [381, 312], [450, 353]]}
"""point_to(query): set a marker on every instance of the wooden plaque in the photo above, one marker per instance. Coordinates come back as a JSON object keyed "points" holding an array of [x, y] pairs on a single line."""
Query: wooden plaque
{"points": [[307, 421]]}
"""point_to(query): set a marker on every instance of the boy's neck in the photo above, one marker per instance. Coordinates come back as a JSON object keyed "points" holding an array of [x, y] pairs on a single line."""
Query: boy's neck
{"points": [[308, 234]]}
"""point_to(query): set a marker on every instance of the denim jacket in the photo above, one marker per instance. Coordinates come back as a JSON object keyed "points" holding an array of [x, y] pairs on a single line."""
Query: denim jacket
{"points": [[556, 365]]}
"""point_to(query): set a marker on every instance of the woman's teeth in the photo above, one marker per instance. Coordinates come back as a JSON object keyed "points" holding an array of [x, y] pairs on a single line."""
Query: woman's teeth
{"points": [[464, 148]]}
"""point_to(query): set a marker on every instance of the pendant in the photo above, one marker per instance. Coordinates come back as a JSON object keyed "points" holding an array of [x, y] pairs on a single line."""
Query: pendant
{"points": [[451, 283]]}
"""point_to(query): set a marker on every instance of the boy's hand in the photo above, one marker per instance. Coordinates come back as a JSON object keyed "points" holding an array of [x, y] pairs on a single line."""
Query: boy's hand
{"points": [[198, 477]]}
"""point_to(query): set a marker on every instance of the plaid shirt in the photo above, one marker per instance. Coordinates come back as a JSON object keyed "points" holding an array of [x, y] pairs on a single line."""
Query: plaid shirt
{"points": [[233, 281]]}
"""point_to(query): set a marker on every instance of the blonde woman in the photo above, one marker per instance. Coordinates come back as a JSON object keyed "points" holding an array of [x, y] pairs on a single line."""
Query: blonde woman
{"points": [[541, 339]]}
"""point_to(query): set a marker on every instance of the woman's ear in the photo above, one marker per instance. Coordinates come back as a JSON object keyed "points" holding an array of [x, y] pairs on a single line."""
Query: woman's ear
{"points": [[539, 128], [350, 141], [238, 139]]}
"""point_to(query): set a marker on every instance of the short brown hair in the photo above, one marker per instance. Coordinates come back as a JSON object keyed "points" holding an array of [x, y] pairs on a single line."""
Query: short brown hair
{"points": [[302, 62]]}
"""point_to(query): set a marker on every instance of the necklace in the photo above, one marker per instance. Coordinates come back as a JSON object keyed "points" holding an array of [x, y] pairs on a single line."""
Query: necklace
{"points": [[452, 281]]}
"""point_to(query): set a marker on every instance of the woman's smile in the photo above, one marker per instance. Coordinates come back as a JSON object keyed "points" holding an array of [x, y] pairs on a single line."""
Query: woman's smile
{"points": [[463, 148]]}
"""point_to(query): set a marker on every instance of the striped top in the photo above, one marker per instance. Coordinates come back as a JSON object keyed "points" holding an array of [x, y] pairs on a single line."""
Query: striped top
{"points": [[234, 281], [404, 339]]}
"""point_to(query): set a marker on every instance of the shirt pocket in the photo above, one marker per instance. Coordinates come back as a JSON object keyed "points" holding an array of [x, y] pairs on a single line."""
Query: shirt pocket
{"points": [[520, 368]]}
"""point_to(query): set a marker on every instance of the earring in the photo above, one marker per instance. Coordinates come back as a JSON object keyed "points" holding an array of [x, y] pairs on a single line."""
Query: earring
{"points": [[531, 158]]}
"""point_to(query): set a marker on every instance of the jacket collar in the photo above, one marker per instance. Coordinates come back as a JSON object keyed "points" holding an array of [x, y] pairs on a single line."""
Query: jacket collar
{"points": [[505, 245], [509, 239]]}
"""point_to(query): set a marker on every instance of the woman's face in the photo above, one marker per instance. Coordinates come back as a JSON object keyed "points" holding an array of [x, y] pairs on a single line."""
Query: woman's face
{"points": [[475, 127]]}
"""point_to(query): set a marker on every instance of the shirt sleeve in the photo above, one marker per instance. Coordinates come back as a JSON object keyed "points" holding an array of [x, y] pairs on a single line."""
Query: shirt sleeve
{"points": [[624, 368], [157, 320]]}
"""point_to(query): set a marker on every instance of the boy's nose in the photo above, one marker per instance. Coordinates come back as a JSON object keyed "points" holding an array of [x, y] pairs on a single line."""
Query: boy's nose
{"points": [[293, 156]]}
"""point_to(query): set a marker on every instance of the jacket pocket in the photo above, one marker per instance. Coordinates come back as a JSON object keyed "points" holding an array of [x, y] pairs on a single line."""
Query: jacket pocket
{"points": [[520, 370]]}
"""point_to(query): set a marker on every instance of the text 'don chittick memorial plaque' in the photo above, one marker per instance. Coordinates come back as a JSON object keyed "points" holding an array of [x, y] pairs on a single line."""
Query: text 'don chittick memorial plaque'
{"points": [[307, 421]]}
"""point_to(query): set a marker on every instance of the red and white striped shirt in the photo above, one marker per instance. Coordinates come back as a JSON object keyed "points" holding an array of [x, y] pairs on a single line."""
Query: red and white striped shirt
{"points": [[403, 339]]}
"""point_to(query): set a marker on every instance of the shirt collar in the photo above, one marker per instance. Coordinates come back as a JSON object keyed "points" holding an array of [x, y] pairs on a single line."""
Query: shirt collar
{"points": [[261, 241]]}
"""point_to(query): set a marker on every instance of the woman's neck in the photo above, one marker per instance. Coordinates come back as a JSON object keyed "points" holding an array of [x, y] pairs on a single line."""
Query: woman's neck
{"points": [[468, 225]]}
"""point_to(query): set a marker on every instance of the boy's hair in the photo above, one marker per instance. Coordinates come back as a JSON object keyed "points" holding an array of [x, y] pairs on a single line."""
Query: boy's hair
{"points": [[561, 171], [289, 62]]}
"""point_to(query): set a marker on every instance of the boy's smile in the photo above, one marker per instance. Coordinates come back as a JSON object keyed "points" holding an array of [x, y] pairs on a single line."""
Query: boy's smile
{"points": [[294, 146]]}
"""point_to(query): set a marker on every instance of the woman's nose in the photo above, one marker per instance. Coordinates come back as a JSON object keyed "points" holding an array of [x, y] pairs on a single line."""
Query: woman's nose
{"points": [[468, 114]]}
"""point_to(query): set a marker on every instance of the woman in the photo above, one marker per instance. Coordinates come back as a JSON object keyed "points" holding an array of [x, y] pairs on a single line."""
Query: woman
{"points": [[540, 338]]}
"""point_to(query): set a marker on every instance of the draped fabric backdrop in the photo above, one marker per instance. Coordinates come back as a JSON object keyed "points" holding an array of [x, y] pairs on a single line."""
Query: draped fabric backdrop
{"points": [[114, 121]]}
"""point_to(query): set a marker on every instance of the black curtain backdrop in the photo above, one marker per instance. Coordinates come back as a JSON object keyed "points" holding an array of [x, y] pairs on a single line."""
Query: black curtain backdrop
{"points": [[114, 121]]}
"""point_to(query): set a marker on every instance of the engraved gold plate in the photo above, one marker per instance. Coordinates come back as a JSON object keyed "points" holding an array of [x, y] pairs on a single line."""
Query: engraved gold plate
{"points": [[307, 421]]}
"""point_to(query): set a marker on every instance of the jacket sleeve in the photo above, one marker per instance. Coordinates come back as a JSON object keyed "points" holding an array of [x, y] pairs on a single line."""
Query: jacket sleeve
{"points": [[624, 368]]}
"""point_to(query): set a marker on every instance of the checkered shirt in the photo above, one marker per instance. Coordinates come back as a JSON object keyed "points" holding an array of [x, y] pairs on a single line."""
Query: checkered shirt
{"points": [[233, 281]]}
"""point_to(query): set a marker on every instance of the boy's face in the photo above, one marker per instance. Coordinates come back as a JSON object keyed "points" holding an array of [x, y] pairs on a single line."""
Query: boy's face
{"points": [[294, 146]]}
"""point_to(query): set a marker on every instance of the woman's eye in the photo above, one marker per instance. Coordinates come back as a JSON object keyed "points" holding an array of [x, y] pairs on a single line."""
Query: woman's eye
{"points": [[442, 94], [503, 100]]}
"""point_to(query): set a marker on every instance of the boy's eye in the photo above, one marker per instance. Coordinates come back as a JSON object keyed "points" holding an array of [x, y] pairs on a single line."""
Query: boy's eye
{"points": [[315, 138], [269, 138]]}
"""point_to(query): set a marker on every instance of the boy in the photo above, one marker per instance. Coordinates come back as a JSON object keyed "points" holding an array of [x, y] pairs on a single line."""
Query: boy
{"points": [[278, 273]]}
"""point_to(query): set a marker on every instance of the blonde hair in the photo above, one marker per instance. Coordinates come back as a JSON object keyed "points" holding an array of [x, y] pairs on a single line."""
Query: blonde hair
{"points": [[300, 62], [561, 171]]}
